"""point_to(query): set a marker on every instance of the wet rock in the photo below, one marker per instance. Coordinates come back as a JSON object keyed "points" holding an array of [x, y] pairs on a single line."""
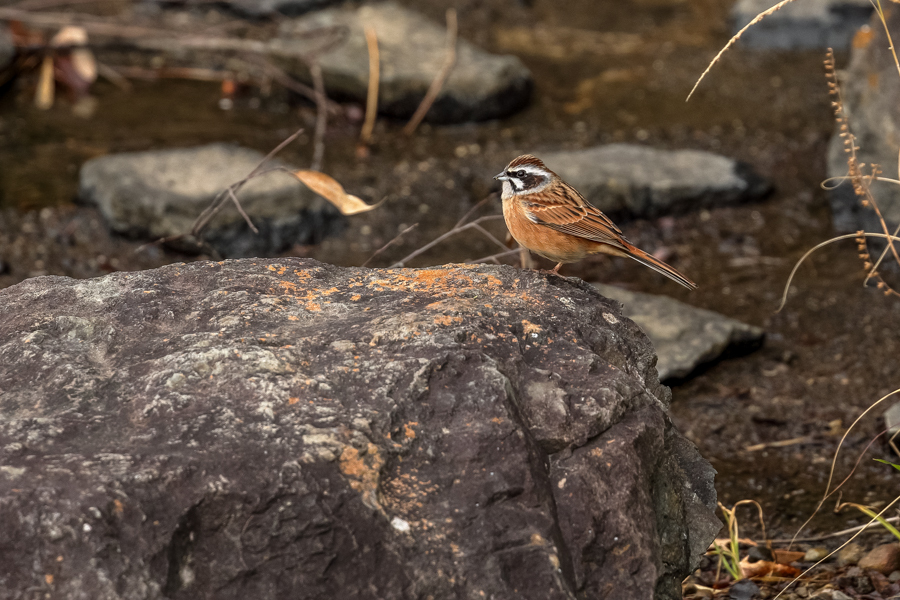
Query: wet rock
{"points": [[638, 180], [7, 47], [869, 87], [802, 25], [849, 555], [412, 49], [264, 8], [684, 337], [285, 428], [160, 193], [884, 559]]}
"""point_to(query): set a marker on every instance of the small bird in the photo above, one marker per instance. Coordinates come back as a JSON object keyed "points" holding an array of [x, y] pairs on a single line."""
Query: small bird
{"points": [[549, 217]]}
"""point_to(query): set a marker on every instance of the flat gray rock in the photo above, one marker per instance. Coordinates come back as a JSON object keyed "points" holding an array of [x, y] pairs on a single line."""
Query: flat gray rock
{"points": [[412, 49], [685, 337], [869, 87], [160, 193], [635, 180], [273, 429], [804, 24]]}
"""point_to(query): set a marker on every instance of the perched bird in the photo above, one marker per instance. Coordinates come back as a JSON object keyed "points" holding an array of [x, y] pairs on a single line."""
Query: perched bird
{"points": [[549, 217]]}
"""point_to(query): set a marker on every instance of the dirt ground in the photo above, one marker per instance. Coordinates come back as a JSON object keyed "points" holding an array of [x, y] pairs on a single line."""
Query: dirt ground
{"points": [[828, 355]]}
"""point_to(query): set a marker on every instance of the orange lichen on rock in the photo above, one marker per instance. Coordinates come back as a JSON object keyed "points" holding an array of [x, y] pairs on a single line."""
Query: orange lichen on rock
{"points": [[362, 470], [447, 320]]}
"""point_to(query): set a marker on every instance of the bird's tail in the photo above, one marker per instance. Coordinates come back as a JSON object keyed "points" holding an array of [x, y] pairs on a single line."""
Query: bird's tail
{"points": [[657, 265]]}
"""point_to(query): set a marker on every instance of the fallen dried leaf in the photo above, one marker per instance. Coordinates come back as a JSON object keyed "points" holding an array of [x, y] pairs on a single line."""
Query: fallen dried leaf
{"points": [[762, 568], [43, 96], [333, 191], [786, 557]]}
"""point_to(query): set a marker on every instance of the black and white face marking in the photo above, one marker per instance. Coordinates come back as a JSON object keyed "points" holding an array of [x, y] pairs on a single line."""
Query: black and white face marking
{"points": [[524, 179]]}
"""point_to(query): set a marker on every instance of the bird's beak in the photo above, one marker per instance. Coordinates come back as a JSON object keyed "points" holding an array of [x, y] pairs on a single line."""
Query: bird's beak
{"points": [[502, 176]]}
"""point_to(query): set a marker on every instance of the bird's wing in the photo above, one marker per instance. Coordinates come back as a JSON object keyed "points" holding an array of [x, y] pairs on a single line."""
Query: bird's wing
{"points": [[570, 213]]}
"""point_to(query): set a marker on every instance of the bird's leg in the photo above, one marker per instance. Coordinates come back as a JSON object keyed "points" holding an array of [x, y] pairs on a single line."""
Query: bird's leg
{"points": [[556, 268]]}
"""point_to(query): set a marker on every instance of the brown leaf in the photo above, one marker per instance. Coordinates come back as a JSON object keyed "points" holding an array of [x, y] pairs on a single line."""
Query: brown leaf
{"points": [[786, 557], [333, 191], [762, 568]]}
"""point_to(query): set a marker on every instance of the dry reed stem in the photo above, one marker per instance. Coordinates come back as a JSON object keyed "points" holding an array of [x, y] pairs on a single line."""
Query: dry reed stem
{"points": [[365, 135], [735, 38], [828, 491], [315, 71], [438, 82], [861, 183]]}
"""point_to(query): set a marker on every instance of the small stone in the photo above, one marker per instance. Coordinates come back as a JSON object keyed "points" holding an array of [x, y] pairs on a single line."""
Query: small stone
{"points": [[743, 590], [884, 558], [849, 555], [802, 592], [894, 576], [839, 595], [815, 554], [758, 553]]}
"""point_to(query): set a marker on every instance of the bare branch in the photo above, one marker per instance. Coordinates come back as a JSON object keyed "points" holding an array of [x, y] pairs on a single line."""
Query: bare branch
{"points": [[390, 243]]}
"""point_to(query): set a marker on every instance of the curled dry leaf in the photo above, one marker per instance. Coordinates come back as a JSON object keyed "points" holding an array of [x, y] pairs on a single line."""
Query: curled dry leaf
{"points": [[761, 568], [333, 191]]}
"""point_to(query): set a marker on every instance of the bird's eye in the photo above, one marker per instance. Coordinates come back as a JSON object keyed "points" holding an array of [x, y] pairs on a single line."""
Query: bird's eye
{"points": [[520, 174]]}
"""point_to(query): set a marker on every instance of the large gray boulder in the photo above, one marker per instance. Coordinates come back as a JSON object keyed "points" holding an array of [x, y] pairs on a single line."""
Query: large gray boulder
{"points": [[287, 429], [870, 87], [412, 50], [803, 24], [160, 193], [635, 180]]}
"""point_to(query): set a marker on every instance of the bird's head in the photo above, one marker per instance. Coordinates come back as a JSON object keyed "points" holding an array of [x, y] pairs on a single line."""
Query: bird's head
{"points": [[526, 174]]}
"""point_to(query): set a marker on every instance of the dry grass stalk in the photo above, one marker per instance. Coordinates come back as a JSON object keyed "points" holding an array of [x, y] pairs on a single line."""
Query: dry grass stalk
{"points": [[735, 38], [860, 181], [365, 135], [438, 82], [315, 71]]}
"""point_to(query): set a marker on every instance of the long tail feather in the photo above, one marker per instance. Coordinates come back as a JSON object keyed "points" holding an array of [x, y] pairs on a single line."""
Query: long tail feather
{"points": [[658, 266]]}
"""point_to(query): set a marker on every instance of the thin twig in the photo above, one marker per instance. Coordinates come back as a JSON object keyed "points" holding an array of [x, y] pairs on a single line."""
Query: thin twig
{"points": [[390, 243], [285, 80], [365, 135], [149, 38], [315, 70], [230, 192], [834, 534], [441, 238], [438, 82]]}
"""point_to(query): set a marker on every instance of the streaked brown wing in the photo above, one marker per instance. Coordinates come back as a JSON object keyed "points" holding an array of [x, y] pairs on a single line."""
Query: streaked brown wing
{"points": [[570, 213]]}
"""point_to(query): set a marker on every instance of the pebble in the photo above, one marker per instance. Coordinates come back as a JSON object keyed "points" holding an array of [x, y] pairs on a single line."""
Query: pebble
{"points": [[884, 558], [815, 554], [849, 555]]}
